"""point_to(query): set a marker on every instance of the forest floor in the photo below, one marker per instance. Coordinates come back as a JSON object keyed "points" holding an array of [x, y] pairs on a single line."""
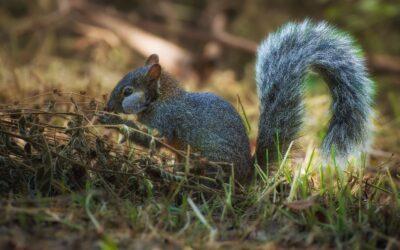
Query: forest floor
{"points": [[66, 182]]}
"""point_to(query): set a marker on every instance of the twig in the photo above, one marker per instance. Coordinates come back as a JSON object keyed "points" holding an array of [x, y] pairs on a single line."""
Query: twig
{"points": [[173, 57], [218, 29]]}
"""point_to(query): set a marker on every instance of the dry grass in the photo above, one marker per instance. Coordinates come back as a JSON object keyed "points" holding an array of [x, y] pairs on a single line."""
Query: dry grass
{"points": [[60, 174], [66, 182]]}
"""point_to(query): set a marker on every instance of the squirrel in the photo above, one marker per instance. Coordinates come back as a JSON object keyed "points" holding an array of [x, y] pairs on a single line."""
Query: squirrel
{"points": [[212, 126]]}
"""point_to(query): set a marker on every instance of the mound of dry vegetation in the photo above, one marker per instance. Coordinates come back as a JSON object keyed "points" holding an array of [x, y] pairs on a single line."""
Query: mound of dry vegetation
{"points": [[66, 182]]}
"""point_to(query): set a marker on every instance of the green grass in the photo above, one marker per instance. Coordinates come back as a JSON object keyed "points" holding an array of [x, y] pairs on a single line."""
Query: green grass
{"points": [[74, 185], [293, 204]]}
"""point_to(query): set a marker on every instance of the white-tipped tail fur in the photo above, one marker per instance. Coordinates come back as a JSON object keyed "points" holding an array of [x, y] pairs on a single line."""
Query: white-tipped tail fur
{"points": [[283, 60]]}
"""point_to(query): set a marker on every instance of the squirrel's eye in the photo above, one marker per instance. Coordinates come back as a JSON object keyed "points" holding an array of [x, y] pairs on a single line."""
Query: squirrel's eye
{"points": [[128, 91]]}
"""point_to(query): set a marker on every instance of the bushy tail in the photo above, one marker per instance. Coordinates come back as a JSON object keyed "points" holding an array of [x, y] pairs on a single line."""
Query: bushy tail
{"points": [[283, 60]]}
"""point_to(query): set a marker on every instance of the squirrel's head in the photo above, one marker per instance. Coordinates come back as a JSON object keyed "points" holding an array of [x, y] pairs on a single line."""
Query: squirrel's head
{"points": [[137, 89]]}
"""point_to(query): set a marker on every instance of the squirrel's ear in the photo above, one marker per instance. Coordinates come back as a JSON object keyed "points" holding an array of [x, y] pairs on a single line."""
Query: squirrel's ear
{"points": [[152, 59], [154, 71]]}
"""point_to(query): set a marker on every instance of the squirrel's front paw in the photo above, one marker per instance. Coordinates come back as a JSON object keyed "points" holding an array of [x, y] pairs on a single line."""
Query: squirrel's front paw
{"points": [[110, 119]]}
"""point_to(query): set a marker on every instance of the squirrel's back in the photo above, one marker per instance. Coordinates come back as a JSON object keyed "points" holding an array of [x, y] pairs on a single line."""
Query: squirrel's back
{"points": [[206, 122]]}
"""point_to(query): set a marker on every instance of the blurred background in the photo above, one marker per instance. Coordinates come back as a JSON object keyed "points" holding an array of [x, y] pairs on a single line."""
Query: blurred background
{"points": [[77, 45]]}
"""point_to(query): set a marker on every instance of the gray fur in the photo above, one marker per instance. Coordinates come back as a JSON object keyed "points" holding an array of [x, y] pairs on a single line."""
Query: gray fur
{"points": [[134, 103], [212, 127], [283, 60], [207, 123]]}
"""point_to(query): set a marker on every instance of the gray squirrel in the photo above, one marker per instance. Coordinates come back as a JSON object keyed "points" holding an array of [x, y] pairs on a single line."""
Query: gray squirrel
{"points": [[214, 129]]}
